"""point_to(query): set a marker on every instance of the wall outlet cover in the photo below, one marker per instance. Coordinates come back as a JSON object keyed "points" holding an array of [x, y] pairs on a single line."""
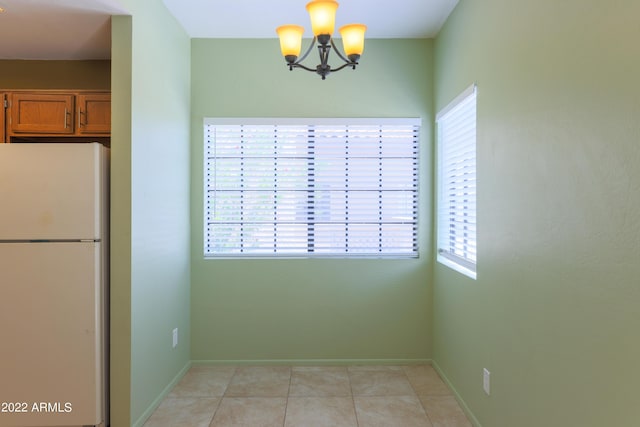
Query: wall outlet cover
{"points": [[486, 381]]}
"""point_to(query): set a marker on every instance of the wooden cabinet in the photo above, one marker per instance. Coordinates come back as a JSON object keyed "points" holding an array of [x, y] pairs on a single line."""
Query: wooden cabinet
{"points": [[94, 113], [39, 113], [58, 113]]}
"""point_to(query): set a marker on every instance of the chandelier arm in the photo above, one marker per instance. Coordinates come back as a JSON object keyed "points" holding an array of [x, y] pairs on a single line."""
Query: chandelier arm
{"points": [[298, 65], [337, 51], [349, 64], [303, 57]]}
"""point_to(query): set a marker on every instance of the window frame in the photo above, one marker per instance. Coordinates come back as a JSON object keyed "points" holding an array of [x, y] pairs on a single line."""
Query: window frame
{"points": [[310, 122], [462, 255]]}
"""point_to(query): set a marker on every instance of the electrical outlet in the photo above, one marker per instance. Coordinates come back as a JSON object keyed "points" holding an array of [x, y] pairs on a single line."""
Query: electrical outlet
{"points": [[486, 381], [175, 337]]}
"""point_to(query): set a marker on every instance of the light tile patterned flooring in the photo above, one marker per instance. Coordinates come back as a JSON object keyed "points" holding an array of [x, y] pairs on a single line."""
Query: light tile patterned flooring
{"points": [[288, 396]]}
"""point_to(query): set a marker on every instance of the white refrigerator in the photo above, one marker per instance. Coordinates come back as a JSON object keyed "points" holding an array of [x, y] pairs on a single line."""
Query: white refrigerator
{"points": [[53, 284]]}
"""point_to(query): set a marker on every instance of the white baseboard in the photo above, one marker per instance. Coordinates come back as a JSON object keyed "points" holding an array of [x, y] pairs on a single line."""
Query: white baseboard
{"points": [[313, 362], [461, 401], [158, 400]]}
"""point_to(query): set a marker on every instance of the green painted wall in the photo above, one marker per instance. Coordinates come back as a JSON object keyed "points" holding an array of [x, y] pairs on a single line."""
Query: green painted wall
{"points": [[305, 309], [554, 313], [151, 263], [120, 233]]}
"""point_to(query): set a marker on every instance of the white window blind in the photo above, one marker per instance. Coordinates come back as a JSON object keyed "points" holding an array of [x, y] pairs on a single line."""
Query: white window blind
{"points": [[456, 127], [311, 187]]}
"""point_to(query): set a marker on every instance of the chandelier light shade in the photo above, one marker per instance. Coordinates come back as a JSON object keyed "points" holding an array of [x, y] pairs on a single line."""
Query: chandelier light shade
{"points": [[290, 40], [353, 40], [323, 18]]}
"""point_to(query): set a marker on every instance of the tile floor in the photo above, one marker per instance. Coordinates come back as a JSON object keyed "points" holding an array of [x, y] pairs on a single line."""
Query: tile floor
{"points": [[288, 396]]}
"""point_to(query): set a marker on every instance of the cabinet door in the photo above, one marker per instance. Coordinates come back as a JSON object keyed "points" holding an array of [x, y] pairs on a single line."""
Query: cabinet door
{"points": [[94, 113], [41, 113]]}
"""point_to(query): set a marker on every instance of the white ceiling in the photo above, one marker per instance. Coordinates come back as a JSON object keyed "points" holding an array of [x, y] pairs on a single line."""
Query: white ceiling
{"points": [[259, 19], [80, 29]]}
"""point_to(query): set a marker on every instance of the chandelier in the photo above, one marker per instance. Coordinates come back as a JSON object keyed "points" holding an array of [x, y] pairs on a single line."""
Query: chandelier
{"points": [[322, 14]]}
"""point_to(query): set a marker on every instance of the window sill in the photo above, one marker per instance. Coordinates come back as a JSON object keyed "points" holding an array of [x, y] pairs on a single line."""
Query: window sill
{"points": [[457, 267]]}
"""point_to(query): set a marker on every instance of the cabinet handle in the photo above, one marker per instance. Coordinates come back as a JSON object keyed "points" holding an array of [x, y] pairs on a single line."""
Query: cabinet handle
{"points": [[66, 113], [79, 118]]}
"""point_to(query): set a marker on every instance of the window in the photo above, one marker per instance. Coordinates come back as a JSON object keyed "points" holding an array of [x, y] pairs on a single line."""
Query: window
{"points": [[456, 128], [311, 187]]}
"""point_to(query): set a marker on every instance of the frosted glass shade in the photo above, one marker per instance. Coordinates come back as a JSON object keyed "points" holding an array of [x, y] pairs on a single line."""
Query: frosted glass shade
{"points": [[290, 39], [353, 38], [323, 16]]}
